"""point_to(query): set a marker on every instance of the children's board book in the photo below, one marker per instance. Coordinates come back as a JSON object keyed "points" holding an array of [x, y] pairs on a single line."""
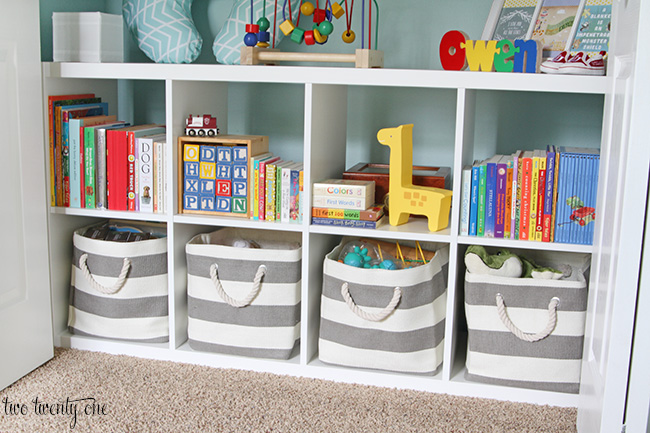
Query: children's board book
{"points": [[554, 25]]}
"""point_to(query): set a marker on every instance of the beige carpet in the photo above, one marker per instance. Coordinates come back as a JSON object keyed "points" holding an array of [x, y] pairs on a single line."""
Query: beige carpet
{"points": [[140, 395]]}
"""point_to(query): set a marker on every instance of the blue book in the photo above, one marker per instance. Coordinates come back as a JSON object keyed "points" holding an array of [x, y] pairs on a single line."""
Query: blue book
{"points": [[593, 197], [473, 210], [561, 198], [490, 195]]}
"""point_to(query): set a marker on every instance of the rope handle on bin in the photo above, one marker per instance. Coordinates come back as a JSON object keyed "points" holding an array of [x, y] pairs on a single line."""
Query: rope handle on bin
{"points": [[371, 317], [550, 326], [121, 279], [257, 284]]}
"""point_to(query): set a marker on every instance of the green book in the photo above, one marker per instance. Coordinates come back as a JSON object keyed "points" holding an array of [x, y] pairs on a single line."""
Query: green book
{"points": [[89, 166]]}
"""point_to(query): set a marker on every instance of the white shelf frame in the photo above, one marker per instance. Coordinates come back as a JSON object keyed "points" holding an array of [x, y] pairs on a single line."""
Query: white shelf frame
{"points": [[324, 156]]}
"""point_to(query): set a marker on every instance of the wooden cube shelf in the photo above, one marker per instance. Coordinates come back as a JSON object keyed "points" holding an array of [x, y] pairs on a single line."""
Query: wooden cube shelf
{"points": [[214, 172]]}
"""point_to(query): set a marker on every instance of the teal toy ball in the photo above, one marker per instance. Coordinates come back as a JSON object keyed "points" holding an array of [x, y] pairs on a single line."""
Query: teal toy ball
{"points": [[264, 24], [250, 39], [388, 264], [326, 28]]}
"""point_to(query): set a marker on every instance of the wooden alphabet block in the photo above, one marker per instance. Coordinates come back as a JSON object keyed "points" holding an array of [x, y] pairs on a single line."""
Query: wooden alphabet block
{"points": [[239, 188], [224, 188], [239, 205], [224, 155], [224, 171], [240, 172], [207, 203], [207, 186], [207, 170], [208, 154], [191, 168], [191, 185], [191, 201], [191, 152], [240, 155], [222, 204]]}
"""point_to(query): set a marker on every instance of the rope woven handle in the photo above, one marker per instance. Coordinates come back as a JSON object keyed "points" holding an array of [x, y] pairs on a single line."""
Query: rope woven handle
{"points": [[119, 283], [257, 284], [371, 317], [550, 326]]}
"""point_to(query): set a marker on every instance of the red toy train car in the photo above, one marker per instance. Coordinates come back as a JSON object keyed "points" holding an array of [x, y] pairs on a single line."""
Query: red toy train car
{"points": [[201, 126]]}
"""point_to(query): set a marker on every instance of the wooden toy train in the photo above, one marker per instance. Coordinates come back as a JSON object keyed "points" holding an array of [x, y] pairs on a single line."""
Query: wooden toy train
{"points": [[202, 126]]}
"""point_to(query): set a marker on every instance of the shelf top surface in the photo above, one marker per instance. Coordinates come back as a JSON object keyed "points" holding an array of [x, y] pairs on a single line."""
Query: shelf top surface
{"points": [[332, 75]]}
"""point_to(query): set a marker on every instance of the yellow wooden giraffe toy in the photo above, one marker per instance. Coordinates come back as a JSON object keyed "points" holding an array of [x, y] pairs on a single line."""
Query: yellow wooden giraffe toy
{"points": [[406, 198]]}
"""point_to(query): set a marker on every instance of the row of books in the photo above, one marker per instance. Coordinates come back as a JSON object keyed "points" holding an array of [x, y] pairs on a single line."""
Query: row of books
{"points": [[276, 189], [346, 203], [541, 195], [99, 162]]}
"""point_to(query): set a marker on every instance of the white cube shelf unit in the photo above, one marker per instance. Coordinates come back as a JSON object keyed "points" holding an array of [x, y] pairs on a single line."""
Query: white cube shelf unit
{"points": [[204, 89]]}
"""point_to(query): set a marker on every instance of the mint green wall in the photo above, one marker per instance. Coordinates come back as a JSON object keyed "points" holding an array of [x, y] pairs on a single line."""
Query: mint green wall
{"points": [[409, 35]]}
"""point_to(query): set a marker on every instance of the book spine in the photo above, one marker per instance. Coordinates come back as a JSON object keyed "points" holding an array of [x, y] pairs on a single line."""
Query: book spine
{"points": [[278, 193], [556, 187], [343, 190], [473, 209], [52, 149], [163, 177], [156, 176], [500, 203], [255, 209], [370, 214], [526, 178], [541, 192], [340, 203], [74, 163], [518, 206], [270, 192], [294, 195], [58, 155], [130, 167], [100, 150], [465, 200], [548, 196], [515, 207], [145, 174], [90, 168], [595, 163], [82, 174], [481, 200], [346, 223], [286, 195], [507, 229], [532, 224], [301, 195], [490, 199]]}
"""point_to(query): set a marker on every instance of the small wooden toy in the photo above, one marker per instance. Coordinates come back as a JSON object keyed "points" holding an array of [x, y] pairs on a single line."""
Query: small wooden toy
{"points": [[457, 52], [201, 126], [253, 52], [405, 198]]}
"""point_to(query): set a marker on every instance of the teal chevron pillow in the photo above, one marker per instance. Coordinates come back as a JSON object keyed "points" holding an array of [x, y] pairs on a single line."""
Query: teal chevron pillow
{"points": [[164, 29], [227, 45]]}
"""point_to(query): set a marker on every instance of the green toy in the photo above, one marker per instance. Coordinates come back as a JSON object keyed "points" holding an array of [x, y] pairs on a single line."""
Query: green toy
{"points": [[504, 263]]}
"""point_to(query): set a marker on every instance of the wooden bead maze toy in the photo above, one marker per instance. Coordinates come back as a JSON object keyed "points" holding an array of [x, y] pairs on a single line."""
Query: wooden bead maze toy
{"points": [[256, 49], [406, 198]]}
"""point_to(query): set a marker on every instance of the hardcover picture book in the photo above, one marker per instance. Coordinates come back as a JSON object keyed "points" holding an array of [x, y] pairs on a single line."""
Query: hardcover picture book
{"points": [[594, 27], [554, 25], [514, 20]]}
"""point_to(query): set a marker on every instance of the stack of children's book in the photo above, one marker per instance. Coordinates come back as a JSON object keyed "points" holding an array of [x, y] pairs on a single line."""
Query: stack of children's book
{"points": [[346, 203], [541, 195], [99, 162], [276, 189]]}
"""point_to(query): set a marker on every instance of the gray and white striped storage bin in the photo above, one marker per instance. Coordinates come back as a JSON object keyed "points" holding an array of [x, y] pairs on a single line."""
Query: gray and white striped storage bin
{"points": [[244, 301], [384, 319], [119, 289], [526, 332]]}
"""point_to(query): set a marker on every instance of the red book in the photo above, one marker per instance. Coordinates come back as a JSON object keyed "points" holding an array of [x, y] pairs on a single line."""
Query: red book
{"points": [[116, 154], [262, 186], [526, 186]]}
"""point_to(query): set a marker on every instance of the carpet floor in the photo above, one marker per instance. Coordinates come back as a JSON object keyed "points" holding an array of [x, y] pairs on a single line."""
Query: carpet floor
{"points": [[80, 391]]}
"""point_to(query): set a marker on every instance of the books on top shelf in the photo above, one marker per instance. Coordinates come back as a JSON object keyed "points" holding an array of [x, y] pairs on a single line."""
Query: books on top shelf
{"points": [[97, 161], [542, 195]]}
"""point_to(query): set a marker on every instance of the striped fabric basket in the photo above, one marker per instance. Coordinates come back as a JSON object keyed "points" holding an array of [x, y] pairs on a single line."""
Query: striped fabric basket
{"points": [[244, 301], [119, 289], [384, 319], [526, 332]]}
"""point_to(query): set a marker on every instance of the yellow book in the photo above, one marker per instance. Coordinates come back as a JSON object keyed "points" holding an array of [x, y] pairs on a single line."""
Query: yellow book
{"points": [[532, 225]]}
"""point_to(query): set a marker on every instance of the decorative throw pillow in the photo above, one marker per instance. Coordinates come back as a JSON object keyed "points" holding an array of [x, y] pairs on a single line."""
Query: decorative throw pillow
{"points": [[227, 44], [164, 29]]}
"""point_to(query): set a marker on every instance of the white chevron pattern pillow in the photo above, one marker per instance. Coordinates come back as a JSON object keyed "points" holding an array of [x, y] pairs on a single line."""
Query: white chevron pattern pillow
{"points": [[164, 29], [228, 43]]}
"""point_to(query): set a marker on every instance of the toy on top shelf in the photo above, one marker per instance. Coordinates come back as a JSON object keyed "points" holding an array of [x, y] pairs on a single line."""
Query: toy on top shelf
{"points": [[405, 198], [201, 126], [257, 36]]}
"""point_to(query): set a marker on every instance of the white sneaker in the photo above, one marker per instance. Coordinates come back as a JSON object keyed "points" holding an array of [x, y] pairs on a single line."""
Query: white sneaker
{"points": [[582, 64], [552, 66]]}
